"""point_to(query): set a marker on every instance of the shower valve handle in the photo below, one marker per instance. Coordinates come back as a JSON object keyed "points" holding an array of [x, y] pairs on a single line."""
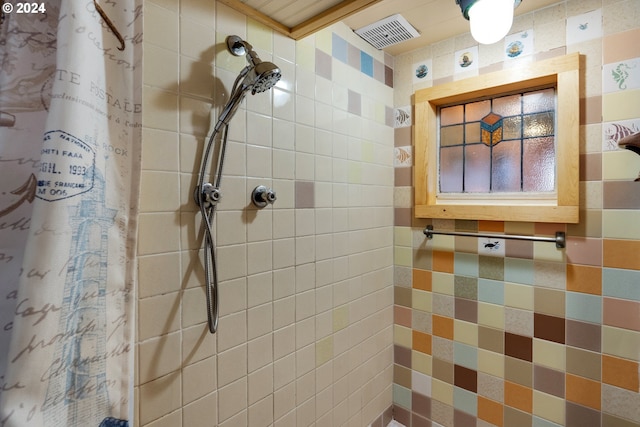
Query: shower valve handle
{"points": [[261, 196]]}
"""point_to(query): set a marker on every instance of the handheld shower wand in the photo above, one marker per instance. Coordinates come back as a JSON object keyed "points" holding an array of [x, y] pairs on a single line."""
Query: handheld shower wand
{"points": [[257, 76]]}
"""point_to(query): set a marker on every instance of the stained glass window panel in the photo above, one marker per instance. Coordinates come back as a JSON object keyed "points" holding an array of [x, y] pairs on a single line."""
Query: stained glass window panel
{"points": [[452, 115], [538, 101], [504, 144], [477, 110], [512, 127], [472, 132], [451, 169], [540, 124], [538, 164], [506, 173], [477, 168], [452, 135], [508, 105]]}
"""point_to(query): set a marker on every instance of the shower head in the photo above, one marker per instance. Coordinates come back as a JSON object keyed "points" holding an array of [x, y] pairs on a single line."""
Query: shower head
{"points": [[257, 76], [267, 74], [261, 76]]}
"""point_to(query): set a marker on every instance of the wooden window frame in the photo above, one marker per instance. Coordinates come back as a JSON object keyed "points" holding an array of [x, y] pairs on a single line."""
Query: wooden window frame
{"points": [[561, 206]]}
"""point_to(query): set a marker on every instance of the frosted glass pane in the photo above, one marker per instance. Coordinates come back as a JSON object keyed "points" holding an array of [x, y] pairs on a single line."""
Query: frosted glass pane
{"points": [[541, 124], [512, 128], [539, 165], [451, 115], [477, 168], [507, 105], [477, 110], [451, 135], [472, 133], [506, 167], [451, 170], [534, 102]]}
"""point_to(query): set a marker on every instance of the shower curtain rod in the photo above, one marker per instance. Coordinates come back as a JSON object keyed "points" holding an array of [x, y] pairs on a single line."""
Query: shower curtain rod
{"points": [[559, 240]]}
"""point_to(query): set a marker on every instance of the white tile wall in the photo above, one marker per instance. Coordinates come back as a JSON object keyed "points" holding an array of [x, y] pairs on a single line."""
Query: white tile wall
{"points": [[305, 293]]}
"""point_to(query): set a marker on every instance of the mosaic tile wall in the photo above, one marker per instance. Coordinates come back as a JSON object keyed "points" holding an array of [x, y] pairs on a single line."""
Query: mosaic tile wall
{"points": [[528, 335], [306, 285]]}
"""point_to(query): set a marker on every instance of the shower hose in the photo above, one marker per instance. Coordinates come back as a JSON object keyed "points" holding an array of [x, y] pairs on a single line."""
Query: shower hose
{"points": [[208, 211]]}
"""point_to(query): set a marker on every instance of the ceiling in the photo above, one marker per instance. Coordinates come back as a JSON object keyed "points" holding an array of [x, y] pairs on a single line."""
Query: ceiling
{"points": [[435, 20]]}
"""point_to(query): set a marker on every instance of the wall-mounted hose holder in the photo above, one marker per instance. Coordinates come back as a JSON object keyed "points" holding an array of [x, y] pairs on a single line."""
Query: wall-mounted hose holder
{"points": [[210, 195], [262, 196]]}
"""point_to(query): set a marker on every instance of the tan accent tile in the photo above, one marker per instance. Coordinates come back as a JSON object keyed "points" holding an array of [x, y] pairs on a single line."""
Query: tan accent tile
{"points": [[519, 296], [621, 105], [621, 342], [465, 332], [442, 391], [584, 363], [549, 301], [491, 315], [421, 362], [518, 371], [616, 222], [491, 363], [620, 46], [549, 354], [549, 407]]}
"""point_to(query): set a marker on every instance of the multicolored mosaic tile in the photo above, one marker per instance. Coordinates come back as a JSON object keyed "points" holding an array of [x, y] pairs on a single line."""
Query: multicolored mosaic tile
{"points": [[494, 332]]}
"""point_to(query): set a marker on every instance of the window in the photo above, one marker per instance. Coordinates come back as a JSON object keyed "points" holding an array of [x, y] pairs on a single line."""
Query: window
{"points": [[501, 146]]}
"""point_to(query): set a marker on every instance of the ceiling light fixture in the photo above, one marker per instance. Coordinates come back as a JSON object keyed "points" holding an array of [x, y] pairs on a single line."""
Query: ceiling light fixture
{"points": [[490, 20]]}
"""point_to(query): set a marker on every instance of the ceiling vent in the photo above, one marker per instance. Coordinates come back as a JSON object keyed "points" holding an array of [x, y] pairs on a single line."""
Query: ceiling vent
{"points": [[388, 31]]}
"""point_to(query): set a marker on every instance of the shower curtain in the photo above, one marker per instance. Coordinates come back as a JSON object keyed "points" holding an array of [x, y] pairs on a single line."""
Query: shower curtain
{"points": [[70, 132]]}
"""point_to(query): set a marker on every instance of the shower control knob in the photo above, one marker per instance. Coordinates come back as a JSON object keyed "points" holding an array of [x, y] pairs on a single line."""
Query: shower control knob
{"points": [[261, 196]]}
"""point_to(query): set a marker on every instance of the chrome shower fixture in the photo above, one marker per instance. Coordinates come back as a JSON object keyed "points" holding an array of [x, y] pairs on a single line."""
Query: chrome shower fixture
{"points": [[257, 76], [262, 196], [262, 75]]}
